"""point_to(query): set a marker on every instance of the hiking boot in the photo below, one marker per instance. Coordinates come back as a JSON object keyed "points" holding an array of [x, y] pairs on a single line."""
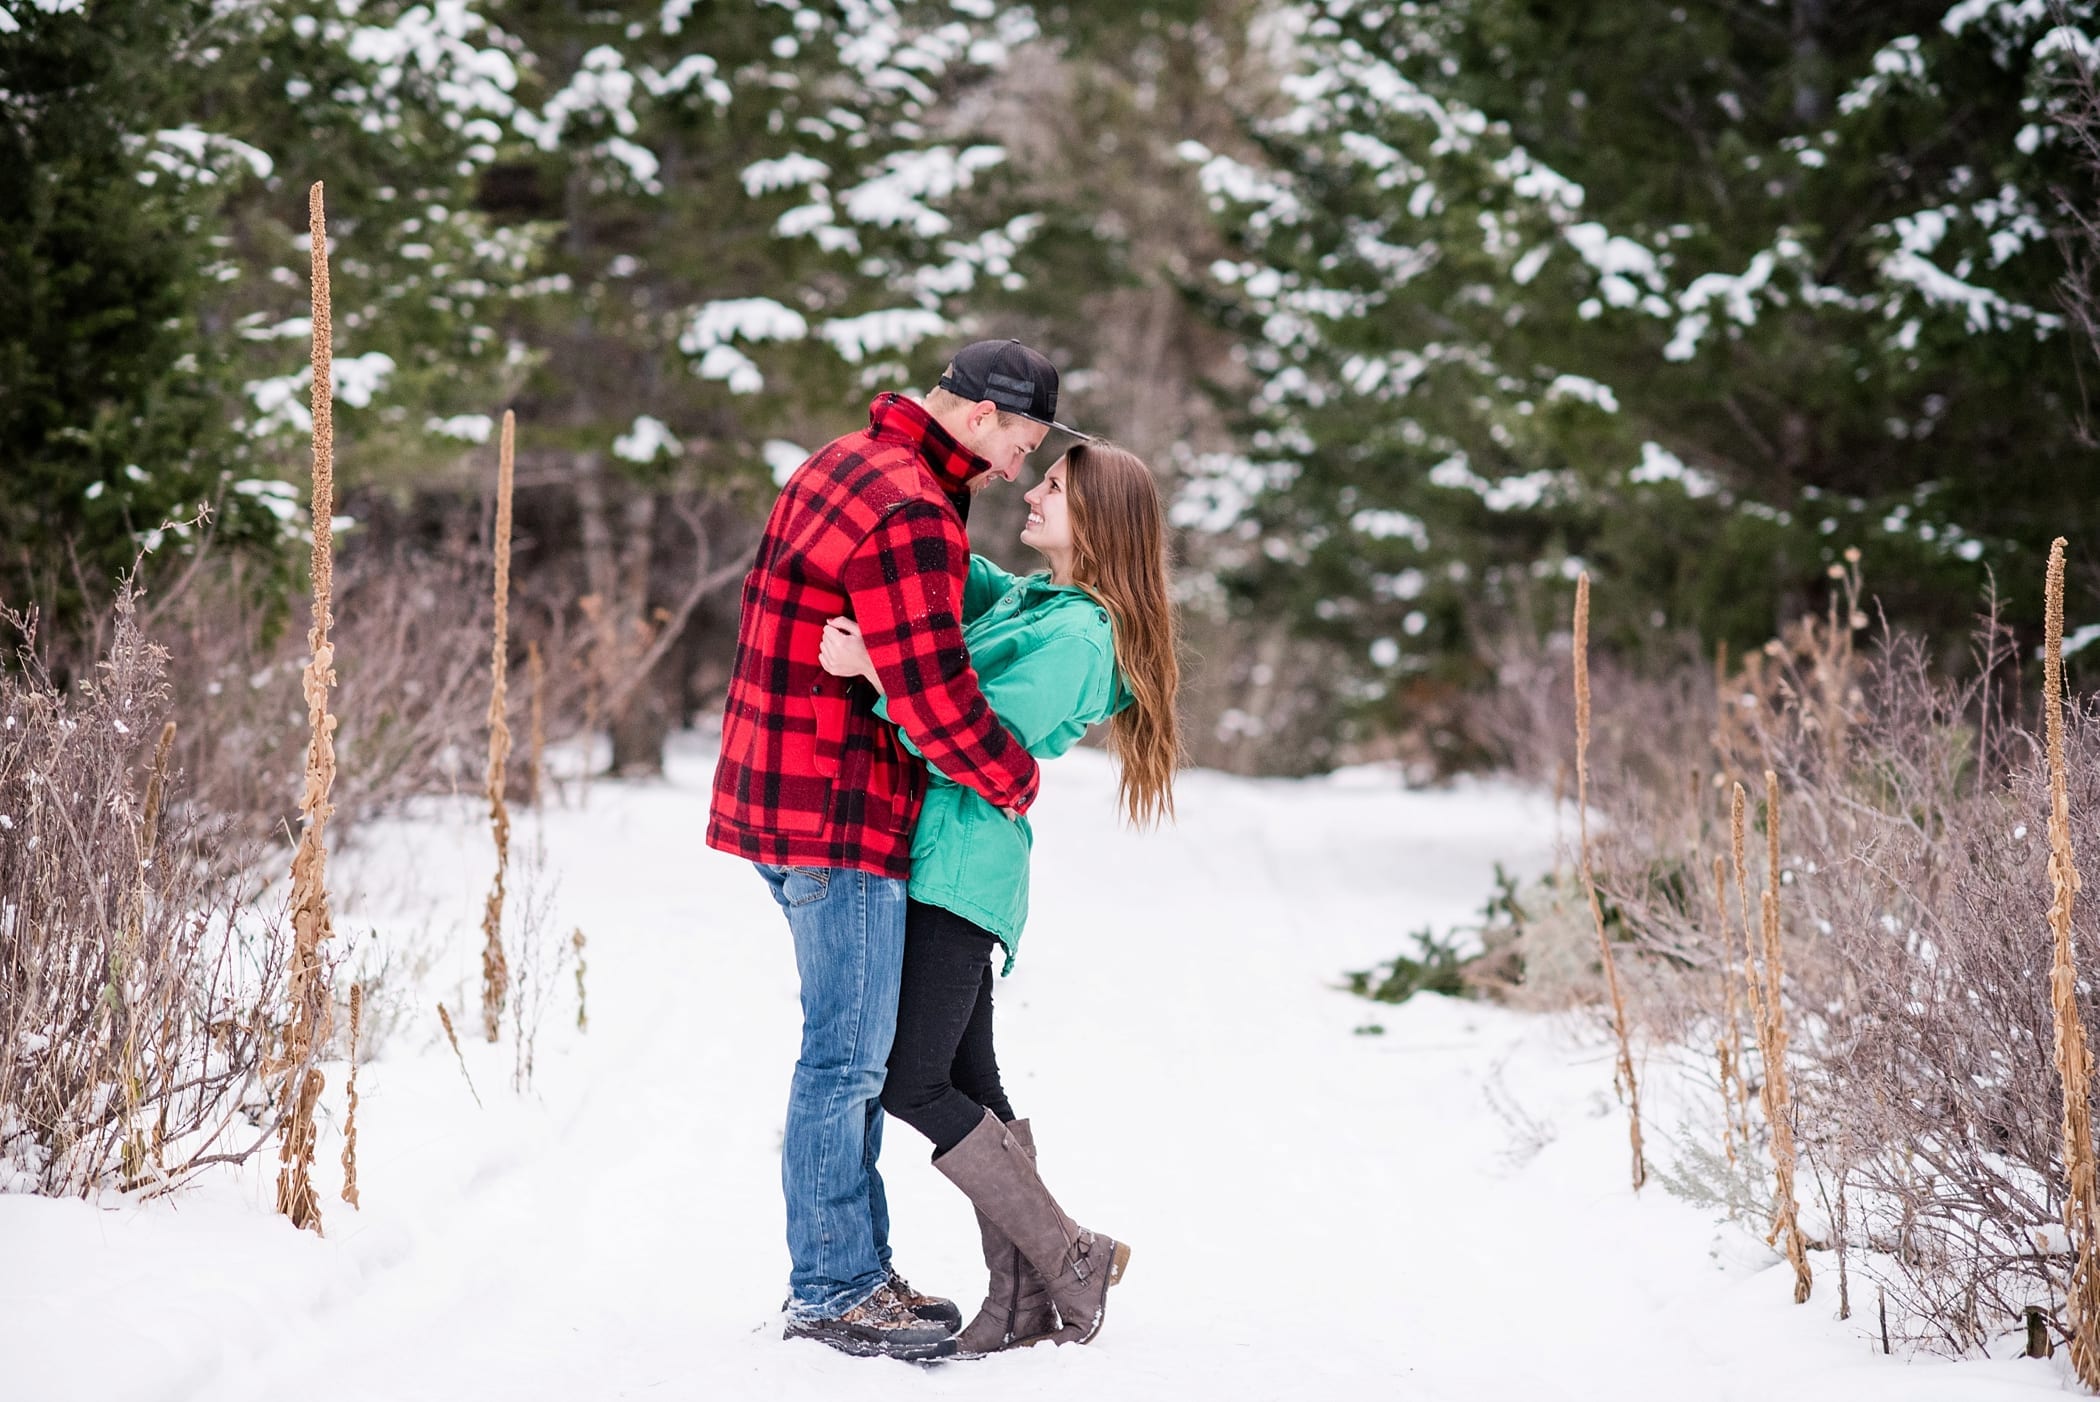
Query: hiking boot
{"points": [[996, 1173], [928, 1307], [931, 1307], [881, 1326], [1017, 1309]]}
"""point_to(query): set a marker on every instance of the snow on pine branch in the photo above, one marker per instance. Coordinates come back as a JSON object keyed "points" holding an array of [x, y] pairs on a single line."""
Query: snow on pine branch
{"points": [[708, 336], [900, 194], [433, 44], [857, 338]]}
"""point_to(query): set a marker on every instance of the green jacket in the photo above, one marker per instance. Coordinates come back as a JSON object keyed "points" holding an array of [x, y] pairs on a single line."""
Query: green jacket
{"points": [[1046, 661]]}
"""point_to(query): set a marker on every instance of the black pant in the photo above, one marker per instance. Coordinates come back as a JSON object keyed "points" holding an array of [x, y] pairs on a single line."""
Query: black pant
{"points": [[943, 1073]]}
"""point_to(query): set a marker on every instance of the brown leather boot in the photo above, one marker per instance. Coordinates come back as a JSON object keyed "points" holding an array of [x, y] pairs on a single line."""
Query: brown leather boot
{"points": [[1017, 1309], [996, 1173]]}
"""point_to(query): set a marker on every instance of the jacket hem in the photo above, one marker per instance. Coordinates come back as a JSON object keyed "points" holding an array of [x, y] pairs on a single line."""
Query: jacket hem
{"points": [[977, 915], [811, 850]]}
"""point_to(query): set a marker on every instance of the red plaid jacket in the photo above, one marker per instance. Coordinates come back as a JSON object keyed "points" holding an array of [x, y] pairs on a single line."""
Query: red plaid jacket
{"points": [[808, 775]]}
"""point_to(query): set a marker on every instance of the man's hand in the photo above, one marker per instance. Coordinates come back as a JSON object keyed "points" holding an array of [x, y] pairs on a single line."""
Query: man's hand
{"points": [[843, 653]]}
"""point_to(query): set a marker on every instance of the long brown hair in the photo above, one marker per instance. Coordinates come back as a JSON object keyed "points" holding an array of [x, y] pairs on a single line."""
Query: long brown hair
{"points": [[1119, 555]]}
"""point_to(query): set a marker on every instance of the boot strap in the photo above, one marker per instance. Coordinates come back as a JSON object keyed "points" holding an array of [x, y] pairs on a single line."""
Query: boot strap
{"points": [[1080, 1256]]}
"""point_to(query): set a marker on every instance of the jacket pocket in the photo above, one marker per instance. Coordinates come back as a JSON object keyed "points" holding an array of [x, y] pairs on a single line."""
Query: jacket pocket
{"points": [[828, 714]]}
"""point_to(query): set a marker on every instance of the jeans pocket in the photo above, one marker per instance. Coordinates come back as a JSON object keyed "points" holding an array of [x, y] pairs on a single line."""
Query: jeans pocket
{"points": [[802, 885]]}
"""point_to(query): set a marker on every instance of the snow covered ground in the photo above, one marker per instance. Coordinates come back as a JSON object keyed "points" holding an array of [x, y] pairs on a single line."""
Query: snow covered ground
{"points": [[1314, 1213]]}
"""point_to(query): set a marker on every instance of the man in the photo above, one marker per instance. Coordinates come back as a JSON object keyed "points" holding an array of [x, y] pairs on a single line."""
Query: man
{"points": [[817, 792]]}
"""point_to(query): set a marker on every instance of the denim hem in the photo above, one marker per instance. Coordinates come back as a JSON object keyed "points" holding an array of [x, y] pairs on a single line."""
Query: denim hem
{"points": [[834, 1305]]}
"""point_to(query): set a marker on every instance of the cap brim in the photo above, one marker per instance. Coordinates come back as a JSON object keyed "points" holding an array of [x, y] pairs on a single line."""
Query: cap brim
{"points": [[1060, 439]]}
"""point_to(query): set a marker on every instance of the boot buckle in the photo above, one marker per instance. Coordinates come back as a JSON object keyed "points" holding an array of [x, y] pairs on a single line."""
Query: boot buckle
{"points": [[1080, 1255]]}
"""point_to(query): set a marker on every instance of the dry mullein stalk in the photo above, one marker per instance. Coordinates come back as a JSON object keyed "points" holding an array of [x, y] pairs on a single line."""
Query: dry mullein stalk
{"points": [[536, 672], [451, 1036], [295, 1188], [1778, 1100], [1723, 713], [357, 1021], [583, 1019], [1589, 879], [1737, 803], [2074, 1061], [307, 985], [1768, 1019], [495, 969], [1728, 1044]]}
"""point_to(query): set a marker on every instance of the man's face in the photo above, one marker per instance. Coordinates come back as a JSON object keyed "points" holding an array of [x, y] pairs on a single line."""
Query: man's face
{"points": [[1004, 446]]}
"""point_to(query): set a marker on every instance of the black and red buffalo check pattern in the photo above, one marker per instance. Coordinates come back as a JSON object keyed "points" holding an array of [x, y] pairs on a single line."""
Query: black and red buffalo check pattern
{"points": [[808, 775]]}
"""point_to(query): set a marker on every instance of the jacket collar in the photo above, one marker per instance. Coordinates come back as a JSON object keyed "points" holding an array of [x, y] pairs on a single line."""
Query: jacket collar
{"points": [[893, 416]]}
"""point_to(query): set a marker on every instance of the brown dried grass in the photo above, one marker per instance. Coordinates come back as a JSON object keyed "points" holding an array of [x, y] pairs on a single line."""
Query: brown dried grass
{"points": [[445, 1018], [583, 1016], [1772, 1038], [1628, 1087], [136, 1150], [357, 1022], [1728, 1036]]}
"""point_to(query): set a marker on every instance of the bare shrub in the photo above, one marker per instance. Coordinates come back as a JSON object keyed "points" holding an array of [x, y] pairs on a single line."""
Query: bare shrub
{"points": [[411, 635], [1919, 956], [136, 984], [542, 956], [1913, 943], [1929, 1072]]}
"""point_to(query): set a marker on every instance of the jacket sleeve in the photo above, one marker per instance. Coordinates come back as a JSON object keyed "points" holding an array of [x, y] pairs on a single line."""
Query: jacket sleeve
{"points": [[986, 586], [1050, 695], [901, 584]]}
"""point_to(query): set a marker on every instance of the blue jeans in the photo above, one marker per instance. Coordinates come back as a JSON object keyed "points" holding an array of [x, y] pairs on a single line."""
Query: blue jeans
{"points": [[849, 950]]}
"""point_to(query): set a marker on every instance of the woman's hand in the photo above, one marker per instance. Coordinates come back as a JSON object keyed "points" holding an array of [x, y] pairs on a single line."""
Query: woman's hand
{"points": [[844, 653]]}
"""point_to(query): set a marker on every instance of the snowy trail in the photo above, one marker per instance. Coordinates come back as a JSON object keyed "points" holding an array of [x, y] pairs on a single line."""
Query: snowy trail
{"points": [[1314, 1213]]}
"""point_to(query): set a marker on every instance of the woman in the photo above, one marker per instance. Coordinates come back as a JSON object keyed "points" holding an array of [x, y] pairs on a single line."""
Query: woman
{"points": [[1056, 652]]}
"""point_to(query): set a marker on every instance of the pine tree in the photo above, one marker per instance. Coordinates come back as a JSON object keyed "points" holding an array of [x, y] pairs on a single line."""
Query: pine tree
{"points": [[1694, 296], [107, 422], [760, 217], [405, 109], [152, 363]]}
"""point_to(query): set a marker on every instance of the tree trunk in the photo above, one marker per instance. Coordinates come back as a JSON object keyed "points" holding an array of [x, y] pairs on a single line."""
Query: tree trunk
{"points": [[642, 723], [639, 731], [1811, 65]]}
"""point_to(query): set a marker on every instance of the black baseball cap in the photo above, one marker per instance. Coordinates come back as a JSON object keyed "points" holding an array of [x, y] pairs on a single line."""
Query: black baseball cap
{"points": [[1012, 376]]}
